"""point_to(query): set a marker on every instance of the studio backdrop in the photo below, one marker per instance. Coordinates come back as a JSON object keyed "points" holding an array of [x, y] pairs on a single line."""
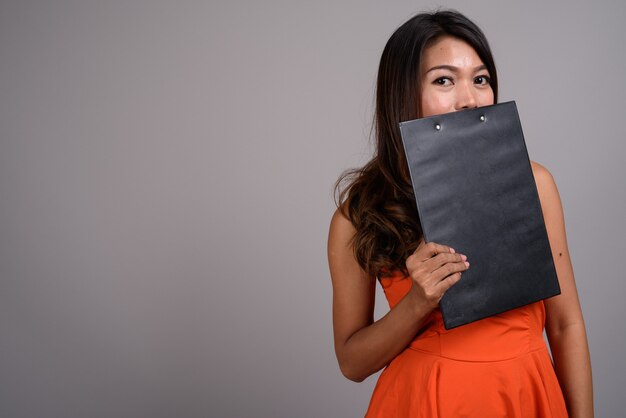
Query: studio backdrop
{"points": [[166, 175]]}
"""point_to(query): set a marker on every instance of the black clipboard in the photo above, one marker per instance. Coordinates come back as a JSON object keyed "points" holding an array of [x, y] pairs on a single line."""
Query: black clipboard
{"points": [[475, 192]]}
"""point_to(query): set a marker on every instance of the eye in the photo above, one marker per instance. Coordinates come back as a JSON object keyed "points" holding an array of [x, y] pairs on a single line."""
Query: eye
{"points": [[486, 78], [441, 81]]}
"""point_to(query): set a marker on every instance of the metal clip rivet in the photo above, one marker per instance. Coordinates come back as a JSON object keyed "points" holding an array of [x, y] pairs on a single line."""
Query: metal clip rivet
{"points": [[482, 118], [438, 127]]}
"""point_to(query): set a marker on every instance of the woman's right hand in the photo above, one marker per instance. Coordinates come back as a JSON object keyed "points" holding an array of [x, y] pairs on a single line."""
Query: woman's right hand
{"points": [[434, 268]]}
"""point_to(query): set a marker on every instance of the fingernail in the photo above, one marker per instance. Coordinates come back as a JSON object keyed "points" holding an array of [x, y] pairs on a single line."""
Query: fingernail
{"points": [[463, 256], [452, 250], [467, 263]]}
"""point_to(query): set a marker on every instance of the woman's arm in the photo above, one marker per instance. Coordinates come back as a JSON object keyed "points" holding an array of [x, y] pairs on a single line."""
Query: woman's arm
{"points": [[565, 326], [363, 346]]}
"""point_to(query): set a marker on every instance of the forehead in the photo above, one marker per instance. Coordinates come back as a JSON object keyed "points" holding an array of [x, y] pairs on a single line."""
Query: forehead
{"points": [[450, 51]]}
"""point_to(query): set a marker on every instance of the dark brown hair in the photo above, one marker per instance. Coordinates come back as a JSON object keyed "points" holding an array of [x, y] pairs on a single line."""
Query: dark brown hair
{"points": [[378, 198]]}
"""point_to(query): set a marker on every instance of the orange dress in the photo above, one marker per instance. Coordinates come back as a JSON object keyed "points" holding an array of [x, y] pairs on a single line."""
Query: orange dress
{"points": [[496, 367]]}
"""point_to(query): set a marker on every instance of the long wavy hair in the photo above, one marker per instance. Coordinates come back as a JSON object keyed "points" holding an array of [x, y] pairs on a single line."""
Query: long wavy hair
{"points": [[378, 198]]}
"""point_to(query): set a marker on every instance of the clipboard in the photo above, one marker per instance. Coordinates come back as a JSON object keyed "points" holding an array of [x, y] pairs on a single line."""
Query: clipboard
{"points": [[475, 191]]}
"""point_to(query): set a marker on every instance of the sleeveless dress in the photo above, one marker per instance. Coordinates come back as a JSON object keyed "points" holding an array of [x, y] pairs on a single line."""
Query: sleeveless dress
{"points": [[495, 367]]}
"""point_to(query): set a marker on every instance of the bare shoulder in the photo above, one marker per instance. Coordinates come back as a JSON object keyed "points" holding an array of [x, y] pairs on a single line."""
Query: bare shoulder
{"points": [[540, 172], [340, 235], [340, 225], [546, 186], [340, 246]]}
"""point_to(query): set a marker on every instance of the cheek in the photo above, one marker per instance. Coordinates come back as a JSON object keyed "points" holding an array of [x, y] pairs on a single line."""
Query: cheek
{"points": [[434, 102], [487, 98]]}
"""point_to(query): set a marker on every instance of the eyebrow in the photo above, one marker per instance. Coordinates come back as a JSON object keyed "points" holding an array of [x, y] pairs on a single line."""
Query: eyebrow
{"points": [[455, 69]]}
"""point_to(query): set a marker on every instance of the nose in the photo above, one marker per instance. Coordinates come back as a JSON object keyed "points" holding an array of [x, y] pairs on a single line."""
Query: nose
{"points": [[466, 97]]}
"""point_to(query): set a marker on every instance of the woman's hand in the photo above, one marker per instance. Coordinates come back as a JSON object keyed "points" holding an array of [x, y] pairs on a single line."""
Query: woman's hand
{"points": [[434, 268]]}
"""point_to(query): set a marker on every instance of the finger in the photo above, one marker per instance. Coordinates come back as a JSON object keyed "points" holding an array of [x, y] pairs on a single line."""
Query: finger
{"points": [[448, 282], [448, 269], [427, 250], [439, 260]]}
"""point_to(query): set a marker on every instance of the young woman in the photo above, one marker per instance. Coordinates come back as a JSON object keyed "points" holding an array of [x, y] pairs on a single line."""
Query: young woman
{"points": [[497, 367]]}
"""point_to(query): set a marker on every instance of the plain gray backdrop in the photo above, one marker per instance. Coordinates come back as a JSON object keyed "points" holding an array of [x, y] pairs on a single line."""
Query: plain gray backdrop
{"points": [[166, 173]]}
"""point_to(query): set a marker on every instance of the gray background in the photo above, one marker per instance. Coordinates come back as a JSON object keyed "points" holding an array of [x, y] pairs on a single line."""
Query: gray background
{"points": [[166, 171]]}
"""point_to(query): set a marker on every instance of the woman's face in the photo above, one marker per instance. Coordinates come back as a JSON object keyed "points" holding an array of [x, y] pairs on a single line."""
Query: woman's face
{"points": [[452, 77]]}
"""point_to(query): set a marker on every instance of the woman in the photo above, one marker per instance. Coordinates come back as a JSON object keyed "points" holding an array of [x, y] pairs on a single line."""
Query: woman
{"points": [[497, 367]]}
